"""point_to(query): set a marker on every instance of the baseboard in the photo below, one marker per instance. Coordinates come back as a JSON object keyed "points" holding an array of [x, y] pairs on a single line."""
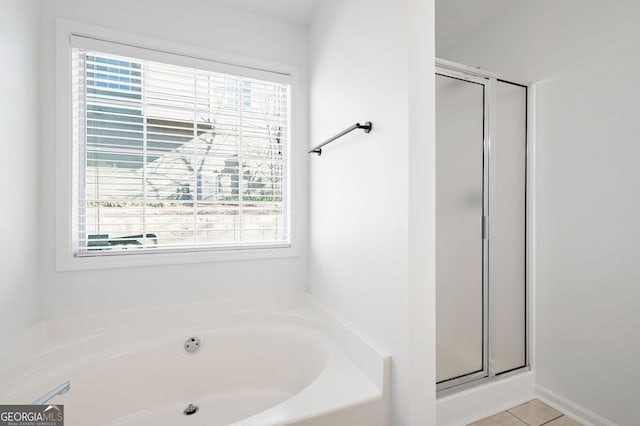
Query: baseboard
{"points": [[484, 400], [570, 408]]}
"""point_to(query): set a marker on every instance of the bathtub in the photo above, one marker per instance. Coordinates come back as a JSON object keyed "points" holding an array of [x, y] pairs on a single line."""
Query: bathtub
{"points": [[277, 360]]}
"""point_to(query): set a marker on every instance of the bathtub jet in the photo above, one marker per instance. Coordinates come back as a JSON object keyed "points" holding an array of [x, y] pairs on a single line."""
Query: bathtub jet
{"points": [[191, 409]]}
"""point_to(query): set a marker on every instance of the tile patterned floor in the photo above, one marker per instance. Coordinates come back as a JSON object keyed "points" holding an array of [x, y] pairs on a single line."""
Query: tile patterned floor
{"points": [[532, 413]]}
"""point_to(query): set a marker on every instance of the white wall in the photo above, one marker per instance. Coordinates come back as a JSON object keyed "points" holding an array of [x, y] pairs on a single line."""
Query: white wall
{"points": [[583, 56], [588, 253], [194, 22], [422, 213], [19, 127], [360, 262]]}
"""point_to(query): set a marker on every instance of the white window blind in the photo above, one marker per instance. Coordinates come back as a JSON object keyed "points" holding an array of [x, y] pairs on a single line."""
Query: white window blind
{"points": [[171, 157]]}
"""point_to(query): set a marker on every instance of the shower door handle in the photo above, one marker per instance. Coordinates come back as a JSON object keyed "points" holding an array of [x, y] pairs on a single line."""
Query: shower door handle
{"points": [[484, 227]]}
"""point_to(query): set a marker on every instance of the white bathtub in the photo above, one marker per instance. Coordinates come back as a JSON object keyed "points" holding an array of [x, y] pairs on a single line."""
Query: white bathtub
{"points": [[266, 361]]}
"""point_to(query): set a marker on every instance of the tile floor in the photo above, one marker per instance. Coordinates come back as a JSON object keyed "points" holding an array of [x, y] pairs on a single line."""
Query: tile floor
{"points": [[532, 413]]}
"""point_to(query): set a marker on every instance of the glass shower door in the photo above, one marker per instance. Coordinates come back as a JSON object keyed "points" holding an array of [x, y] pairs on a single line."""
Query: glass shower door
{"points": [[460, 210], [507, 254]]}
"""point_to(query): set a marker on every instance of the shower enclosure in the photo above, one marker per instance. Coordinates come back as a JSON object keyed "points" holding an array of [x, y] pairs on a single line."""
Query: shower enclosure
{"points": [[481, 179]]}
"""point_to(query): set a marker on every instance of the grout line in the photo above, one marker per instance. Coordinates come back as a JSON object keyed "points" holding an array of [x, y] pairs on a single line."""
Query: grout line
{"points": [[555, 418], [508, 411], [522, 421], [519, 419], [505, 411], [525, 422]]}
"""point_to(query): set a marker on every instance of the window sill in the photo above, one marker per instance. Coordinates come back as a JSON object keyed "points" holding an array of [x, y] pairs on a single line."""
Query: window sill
{"points": [[68, 262]]}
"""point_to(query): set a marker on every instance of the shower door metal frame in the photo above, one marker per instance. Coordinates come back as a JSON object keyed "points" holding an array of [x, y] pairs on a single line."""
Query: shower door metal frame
{"points": [[482, 223], [489, 81]]}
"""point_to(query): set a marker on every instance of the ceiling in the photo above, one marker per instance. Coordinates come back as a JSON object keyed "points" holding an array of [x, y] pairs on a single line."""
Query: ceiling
{"points": [[295, 11], [456, 19]]}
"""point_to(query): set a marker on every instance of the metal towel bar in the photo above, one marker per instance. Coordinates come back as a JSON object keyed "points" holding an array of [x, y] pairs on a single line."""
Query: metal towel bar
{"points": [[367, 126]]}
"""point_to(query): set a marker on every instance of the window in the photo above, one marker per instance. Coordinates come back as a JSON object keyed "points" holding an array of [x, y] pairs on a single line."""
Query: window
{"points": [[174, 153]]}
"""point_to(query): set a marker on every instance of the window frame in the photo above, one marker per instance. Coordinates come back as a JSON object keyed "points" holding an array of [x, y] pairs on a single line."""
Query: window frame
{"points": [[65, 184]]}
